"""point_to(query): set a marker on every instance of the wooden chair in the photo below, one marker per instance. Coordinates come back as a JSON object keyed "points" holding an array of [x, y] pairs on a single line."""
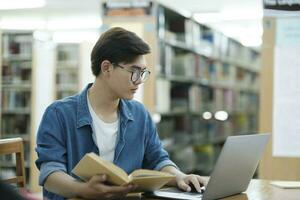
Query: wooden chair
{"points": [[15, 146]]}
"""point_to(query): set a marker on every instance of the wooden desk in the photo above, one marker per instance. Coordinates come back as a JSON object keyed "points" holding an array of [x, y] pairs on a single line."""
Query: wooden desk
{"points": [[257, 190]]}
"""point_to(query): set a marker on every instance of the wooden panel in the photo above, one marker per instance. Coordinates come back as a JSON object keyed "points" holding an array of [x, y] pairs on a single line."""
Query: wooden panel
{"points": [[15, 146], [272, 167], [151, 59]]}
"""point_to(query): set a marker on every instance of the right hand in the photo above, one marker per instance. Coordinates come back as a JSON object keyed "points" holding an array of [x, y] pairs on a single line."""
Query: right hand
{"points": [[96, 188]]}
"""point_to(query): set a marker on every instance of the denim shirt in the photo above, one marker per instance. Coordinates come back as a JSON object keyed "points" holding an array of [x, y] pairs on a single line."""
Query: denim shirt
{"points": [[65, 135]]}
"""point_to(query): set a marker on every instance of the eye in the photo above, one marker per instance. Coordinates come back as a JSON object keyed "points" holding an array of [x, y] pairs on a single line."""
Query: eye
{"points": [[135, 68]]}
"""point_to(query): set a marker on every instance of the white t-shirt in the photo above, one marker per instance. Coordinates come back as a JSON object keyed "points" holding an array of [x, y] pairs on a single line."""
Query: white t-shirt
{"points": [[104, 135]]}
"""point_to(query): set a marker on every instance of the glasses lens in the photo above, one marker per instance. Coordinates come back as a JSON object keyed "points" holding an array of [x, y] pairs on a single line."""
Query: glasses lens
{"points": [[135, 75], [145, 75]]}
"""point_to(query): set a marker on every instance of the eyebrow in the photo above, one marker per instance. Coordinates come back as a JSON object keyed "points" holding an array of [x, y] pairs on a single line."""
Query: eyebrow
{"points": [[137, 67]]}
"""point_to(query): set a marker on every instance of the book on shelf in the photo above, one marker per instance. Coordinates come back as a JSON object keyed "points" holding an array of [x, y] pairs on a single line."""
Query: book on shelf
{"points": [[169, 55], [224, 46], [207, 98], [229, 103], [17, 44], [201, 67], [179, 97], [194, 98], [67, 52], [184, 65], [192, 34], [212, 71], [217, 39], [12, 99], [163, 100], [146, 180], [218, 99]]}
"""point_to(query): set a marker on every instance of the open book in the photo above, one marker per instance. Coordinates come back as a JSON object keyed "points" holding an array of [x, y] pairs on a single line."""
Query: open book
{"points": [[147, 180]]}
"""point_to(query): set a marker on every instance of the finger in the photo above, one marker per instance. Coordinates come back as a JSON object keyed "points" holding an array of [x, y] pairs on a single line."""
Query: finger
{"points": [[117, 194], [98, 178], [184, 186], [201, 180], [117, 189], [193, 179]]}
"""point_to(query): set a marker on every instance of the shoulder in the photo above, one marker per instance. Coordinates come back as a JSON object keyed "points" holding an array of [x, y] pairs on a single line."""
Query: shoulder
{"points": [[65, 105]]}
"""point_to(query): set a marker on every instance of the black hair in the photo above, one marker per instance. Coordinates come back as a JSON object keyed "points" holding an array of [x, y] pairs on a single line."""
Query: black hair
{"points": [[117, 45]]}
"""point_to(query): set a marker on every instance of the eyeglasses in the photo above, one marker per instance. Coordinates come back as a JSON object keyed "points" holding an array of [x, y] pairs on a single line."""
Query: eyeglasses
{"points": [[136, 73]]}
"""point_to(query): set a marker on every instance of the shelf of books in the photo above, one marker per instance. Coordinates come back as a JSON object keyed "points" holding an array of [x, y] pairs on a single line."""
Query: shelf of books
{"points": [[208, 84], [16, 86], [67, 69]]}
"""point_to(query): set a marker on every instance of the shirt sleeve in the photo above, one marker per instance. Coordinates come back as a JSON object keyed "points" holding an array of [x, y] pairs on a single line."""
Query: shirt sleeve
{"points": [[51, 149], [156, 157]]}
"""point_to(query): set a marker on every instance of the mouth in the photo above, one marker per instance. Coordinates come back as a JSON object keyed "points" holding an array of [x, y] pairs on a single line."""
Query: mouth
{"points": [[134, 90]]}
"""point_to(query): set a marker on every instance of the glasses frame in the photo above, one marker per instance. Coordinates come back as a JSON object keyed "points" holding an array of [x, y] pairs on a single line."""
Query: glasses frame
{"points": [[140, 72]]}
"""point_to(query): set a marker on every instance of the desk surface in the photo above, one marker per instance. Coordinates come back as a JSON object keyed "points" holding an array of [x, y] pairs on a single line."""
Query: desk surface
{"points": [[257, 190]]}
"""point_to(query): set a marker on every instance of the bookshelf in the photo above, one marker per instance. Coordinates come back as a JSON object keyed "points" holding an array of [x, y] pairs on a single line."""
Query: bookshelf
{"points": [[67, 69], [36, 70], [16, 93], [205, 85]]}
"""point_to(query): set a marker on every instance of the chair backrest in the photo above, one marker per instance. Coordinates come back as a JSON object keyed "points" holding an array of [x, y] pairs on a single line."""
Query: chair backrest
{"points": [[15, 146]]}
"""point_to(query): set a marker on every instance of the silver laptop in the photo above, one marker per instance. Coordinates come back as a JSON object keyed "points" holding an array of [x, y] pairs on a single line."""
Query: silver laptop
{"points": [[233, 171]]}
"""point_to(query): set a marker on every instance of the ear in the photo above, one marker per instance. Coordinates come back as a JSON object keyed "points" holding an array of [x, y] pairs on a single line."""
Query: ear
{"points": [[105, 66]]}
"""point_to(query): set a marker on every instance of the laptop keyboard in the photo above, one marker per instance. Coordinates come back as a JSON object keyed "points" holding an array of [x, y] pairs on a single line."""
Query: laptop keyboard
{"points": [[174, 192]]}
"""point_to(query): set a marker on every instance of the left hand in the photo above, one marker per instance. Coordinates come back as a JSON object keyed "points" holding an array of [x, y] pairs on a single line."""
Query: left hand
{"points": [[183, 181]]}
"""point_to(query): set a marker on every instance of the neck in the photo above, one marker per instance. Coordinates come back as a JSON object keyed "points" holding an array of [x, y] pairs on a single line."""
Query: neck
{"points": [[103, 102]]}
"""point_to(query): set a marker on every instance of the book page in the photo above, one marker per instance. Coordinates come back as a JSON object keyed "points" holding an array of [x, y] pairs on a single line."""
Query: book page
{"points": [[91, 164], [149, 180], [147, 173], [286, 184]]}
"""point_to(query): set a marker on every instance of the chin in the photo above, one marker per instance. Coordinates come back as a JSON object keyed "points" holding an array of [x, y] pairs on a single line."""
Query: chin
{"points": [[128, 97]]}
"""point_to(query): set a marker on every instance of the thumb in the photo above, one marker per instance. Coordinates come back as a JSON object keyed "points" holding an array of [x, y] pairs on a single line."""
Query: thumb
{"points": [[99, 178], [102, 178]]}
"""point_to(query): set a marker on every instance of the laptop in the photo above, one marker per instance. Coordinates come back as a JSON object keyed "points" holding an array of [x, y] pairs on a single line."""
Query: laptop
{"points": [[233, 171]]}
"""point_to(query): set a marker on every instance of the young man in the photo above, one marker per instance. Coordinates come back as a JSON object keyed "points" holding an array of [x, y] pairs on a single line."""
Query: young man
{"points": [[104, 119]]}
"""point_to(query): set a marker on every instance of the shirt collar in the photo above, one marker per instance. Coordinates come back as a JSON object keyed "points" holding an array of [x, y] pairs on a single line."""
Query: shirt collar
{"points": [[125, 110], [84, 117]]}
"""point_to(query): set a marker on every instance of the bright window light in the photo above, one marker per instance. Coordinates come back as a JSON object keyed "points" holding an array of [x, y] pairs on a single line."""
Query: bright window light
{"points": [[251, 42], [74, 23], [212, 17], [156, 118], [22, 24], [207, 17], [75, 36], [207, 115], [221, 115], [21, 4], [250, 36]]}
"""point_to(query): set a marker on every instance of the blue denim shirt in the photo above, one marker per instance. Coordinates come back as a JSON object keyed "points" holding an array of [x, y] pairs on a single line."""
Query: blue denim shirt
{"points": [[65, 136]]}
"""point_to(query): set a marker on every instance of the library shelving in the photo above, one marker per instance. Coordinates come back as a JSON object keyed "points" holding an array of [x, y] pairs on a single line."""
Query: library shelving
{"points": [[16, 93], [204, 85], [67, 69], [36, 70]]}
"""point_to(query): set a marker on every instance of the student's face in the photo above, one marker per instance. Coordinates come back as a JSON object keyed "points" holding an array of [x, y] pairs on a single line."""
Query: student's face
{"points": [[123, 82]]}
